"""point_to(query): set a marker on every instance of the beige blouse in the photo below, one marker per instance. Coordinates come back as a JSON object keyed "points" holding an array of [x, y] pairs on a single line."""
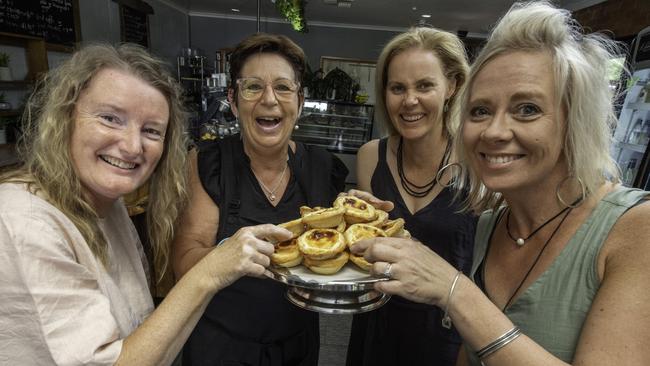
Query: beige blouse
{"points": [[58, 304]]}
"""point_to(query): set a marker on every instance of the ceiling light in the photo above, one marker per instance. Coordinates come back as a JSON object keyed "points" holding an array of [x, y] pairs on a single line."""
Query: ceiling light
{"points": [[426, 15], [235, 10], [415, 8]]}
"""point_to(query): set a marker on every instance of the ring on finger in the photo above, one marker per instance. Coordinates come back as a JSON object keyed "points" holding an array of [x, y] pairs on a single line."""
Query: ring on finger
{"points": [[388, 271]]}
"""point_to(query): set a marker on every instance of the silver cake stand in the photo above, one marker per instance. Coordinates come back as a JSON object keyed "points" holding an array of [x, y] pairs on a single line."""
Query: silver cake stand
{"points": [[349, 291]]}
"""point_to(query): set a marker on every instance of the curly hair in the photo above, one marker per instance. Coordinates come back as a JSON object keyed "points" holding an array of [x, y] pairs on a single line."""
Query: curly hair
{"points": [[446, 46], [579, 67], [44, 148]]}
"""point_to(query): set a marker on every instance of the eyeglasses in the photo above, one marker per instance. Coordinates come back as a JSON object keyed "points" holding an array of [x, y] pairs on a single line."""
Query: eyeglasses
{"points": [[253, 88]]}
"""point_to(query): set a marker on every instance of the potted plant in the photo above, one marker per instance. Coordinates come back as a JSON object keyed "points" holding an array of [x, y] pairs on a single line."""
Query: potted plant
{"points": [[5, 72]]}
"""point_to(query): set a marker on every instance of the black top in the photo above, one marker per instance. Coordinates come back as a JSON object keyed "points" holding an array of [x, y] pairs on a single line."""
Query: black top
{"points": [[403, 332], [250, 322]]}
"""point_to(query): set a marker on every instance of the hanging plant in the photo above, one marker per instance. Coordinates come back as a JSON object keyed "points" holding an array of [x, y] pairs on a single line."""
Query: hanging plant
{"points": [[294, 12]]}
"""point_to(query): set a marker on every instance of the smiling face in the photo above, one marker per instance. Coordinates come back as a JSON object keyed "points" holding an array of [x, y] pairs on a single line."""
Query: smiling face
{"points": [[416, 91], [513, 130], [267, 121], [118, 137]]}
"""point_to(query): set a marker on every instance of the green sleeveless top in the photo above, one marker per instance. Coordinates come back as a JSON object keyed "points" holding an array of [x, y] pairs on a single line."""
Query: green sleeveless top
{"points": [[553, 309]]}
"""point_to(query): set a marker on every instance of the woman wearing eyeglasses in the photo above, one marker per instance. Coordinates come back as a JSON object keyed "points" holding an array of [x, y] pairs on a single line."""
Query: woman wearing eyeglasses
{"points": [[258, 177]]}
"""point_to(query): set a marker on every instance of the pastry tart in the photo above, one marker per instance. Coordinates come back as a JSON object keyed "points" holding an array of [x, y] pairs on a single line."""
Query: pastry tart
{"points": [[321, 243], [382, 216], [393, 227], [360, 261], [356, 209], [324, 218], [358, 232], [295, 226], [287, 254], [327, 266], [342, 226]]}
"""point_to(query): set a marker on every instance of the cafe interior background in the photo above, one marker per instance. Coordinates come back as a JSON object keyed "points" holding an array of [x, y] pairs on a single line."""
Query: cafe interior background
{"points": [[341, 38]]}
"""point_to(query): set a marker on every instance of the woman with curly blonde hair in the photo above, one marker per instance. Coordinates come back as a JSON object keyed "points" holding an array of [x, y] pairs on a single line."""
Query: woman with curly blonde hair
{"points": [[72, 271]]}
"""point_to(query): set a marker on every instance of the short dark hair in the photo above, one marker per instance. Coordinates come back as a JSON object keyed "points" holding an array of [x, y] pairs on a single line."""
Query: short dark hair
{"points": [[267, 43]]}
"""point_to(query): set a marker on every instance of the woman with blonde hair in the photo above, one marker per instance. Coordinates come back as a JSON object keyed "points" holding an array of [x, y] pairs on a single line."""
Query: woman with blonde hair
{"points": [[73, 276], [420, 74], [562, 256]]}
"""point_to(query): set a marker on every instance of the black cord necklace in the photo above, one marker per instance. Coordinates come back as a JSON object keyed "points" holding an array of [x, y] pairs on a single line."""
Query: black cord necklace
{"points": [[418, 191], [522, 241], [568, 211]]}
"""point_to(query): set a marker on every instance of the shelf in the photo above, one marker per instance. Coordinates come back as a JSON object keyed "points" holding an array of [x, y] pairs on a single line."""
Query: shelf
{"points": [[633, 147], [344, 149], [346, 141], [346, 116], [360, 129], [15, 85], [639, 106]]}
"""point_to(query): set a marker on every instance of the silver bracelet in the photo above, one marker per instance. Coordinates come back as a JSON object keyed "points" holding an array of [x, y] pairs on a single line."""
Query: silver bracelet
{"points": [[446, 320], [222, 241], [499, 343]]}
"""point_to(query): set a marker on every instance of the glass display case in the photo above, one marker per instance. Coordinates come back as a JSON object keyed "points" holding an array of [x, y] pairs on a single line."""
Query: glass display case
{"points": [[340, 127]]}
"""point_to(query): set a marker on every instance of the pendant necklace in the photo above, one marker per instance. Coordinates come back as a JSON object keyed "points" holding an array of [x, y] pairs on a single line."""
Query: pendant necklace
{"points": [[270, 193], [522, 241], [418, 191], [568, 211]]}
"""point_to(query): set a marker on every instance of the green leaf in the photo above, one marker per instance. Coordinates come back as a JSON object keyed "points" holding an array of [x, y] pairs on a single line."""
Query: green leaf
{"points": [[294, 12]]}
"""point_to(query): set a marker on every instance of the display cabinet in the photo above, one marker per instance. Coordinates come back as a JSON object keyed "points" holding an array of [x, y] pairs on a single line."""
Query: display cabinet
{"points": [[338, 126]]}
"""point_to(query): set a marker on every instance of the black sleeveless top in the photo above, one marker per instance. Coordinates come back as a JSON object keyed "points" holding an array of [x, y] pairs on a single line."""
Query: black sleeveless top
{"points": [[250, 322], [403, 332]]}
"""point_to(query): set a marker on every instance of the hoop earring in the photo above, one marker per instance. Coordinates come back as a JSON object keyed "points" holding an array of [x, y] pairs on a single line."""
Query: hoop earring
{"points": [[583, 192], [441, 172]]}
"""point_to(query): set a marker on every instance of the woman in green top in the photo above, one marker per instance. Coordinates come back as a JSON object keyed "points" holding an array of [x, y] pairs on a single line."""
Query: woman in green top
{"points": [[562, 256]]}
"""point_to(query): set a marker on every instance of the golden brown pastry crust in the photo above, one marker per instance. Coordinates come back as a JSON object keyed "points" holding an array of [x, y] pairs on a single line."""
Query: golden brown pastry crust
{"points": [[393, 227], [382, 216], [357, 232], [324, 218], [342, 226], [321, 243], [297, 227], [356, 209], [287, 254], [327, 266], [360, 262]]}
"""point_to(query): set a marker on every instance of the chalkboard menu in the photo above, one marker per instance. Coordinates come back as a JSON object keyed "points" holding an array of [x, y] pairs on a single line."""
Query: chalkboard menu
{"points": [[51, 19], [135, 26]]}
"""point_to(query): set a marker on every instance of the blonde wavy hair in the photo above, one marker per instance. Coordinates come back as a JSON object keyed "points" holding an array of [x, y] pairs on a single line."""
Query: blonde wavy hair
{"points": [[48, 124], [580, 64], [446, 46]]}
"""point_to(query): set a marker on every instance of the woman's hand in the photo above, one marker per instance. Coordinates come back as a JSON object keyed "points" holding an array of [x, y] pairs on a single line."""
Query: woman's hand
{"points": [[368, 197], [244, 254], [416, 272]]}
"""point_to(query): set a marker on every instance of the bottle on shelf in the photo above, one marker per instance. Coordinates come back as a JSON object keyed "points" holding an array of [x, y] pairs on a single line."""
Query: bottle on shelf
{"points": [[636, 132], [630, 172], [645, 133]]}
